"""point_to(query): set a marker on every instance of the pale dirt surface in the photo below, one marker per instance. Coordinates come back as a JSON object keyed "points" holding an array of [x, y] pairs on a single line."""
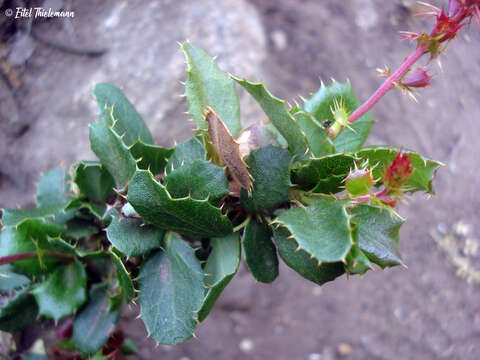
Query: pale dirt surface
{"points": [[424, 312]]}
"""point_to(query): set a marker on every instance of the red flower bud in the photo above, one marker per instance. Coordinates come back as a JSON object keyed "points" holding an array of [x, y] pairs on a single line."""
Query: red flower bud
{"points": [[398, 172], [417, 78]]}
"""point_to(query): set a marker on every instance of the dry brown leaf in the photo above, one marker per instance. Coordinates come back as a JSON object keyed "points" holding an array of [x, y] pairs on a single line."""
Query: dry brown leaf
{"points": [[228, 150]]}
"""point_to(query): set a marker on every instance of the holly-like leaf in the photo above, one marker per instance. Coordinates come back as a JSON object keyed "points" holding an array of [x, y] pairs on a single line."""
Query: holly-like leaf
{"points": [[318, 140], [302, 262], [124, 280], [131, 238], [18, 312], [113, 102], [324, 175], [150, 156], [94, 181], [424, 169], [185, 216], [357, 261], [200, 180], [171, 292], [186, 153], [62, 292], [378, 234], [208, 86], [10, 280], [321, 229], [270, 169], [95, 322], [228, 149], [112, 151], [260, 252], [320, 105], [280, 117], [221, 267]]}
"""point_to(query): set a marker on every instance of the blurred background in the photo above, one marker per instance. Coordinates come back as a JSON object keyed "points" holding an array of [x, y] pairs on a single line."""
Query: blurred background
{"points": [[429, 311]]}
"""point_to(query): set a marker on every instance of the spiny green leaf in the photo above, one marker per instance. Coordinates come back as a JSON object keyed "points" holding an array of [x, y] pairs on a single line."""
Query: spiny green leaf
{"points": [[132, 239], [171, 291], [19, 312], [318, 140], [280, 117], [112, 152], [185, 216], [94, 181], [357, 261], [424, 168], [378, 234], [320, 104], [221, 267], [321, 229], [207, 86], [95, 322], [270, 169], [113, 102], [124, 279], [324, 175], [186, 153], [302, 262], [200, 180], [260, 252], [10, 280], [151, 157], [62, 292]]}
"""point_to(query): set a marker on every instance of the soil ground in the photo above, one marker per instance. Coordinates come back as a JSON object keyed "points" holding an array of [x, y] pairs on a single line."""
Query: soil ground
{"points": [[430, 310]]}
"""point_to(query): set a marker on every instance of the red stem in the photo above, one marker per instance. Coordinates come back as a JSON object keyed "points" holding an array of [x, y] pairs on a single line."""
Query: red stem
{"points": [[387, 84], [31, 254]]}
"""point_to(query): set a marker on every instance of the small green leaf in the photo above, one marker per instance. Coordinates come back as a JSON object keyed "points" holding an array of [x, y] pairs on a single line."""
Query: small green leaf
{"points": [[302, 262], [280, 117], [200, 180], [63, 292], [378, 234], [185, 216], [260, 252], [424, 168], [132, 239], [113, 102], [18, 312], [95, 322], [320, 105], [321, 229], [270, 169], [186, 153], [124, 279], [112, 151], [94, 181], [318, 140], [10, 280], [171, 292], [207, 86], [357, 261], [151, 157], [221, 267]]}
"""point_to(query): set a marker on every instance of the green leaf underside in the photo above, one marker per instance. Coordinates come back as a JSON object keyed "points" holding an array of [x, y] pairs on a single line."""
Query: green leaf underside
{"points": [[151, 157], [186, 153], [324, 175], [132, 239], [357, 261], [112, 151], [378, 232], [171, 292], [95, 322], [113, 102], [124, 279], [260, 252], [321, 229], [221, 267], [200, 180], [19, 312], [185, 216], [320, 104], [318, 139], [94, 181], [207, 85], [302, 263], [424, 168], [63, 292], [10, 280], [280, 117]]}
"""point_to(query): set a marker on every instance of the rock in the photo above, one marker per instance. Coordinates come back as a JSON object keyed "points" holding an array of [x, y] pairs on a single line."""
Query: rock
{"points": [[22, 49]]}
